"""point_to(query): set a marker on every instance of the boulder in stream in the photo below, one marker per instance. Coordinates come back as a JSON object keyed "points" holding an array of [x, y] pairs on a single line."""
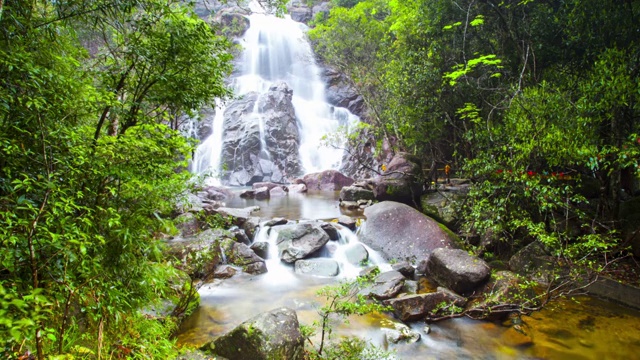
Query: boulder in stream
{"points": [[328, 180], [386, 285], [457, 270], [268, 336], [298, 241], [242, 255], [402, 233], [417, 307], [317, 267]]}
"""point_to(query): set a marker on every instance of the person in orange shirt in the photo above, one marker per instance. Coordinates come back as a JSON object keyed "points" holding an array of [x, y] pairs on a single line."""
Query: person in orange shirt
{"points": [[447, 171]]}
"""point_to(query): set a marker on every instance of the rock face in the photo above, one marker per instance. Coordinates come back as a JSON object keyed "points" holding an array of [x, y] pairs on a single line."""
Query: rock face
{"points": [[248, 157], [340, 92], [401, 232], [232, 23], [268, 336], [416, 307], [317, 267], [457, 270], [328, 180], [401, 181], [298, 241]]}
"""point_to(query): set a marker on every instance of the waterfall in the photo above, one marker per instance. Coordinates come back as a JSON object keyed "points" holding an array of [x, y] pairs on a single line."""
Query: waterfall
{"points": [[276, 50]]}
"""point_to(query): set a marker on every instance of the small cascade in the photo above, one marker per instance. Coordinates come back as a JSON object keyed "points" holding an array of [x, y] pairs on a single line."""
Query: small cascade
{"points": [[276, 50]]}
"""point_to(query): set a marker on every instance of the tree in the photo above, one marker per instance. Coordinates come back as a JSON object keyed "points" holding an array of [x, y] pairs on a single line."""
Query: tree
{"points": [[80, 206]]}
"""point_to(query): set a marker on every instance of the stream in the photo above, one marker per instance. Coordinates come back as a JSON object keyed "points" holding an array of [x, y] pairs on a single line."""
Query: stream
{"points": [[580, 328]]}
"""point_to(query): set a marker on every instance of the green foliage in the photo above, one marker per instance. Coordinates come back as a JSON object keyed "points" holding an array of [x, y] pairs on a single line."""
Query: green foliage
{"points": [[88, 168], [343, 300]]}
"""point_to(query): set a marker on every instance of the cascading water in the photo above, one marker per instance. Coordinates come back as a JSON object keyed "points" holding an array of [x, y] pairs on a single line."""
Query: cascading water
{"points": [[276, 50]]}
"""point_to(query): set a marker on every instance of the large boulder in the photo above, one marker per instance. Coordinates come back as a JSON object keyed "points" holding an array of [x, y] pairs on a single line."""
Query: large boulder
{"points": [[317, 267], [417, 307], [242, 151], [355, 193], [457, 270], [298, 241], [401, 181], [356, 254], [328, 180], [199, 255], [402, 233], [269, 336], [534, 262]]}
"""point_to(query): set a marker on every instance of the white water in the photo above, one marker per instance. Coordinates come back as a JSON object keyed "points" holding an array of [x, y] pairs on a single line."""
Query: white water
{"points": [[276, 49]]}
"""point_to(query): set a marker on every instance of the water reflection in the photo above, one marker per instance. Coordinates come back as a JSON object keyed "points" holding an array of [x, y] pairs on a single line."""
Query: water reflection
{"points": [[312, 205]]}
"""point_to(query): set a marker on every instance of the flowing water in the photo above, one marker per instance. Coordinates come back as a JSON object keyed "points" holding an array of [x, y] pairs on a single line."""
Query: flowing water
{"points": [[276, 49], [584, 328]]}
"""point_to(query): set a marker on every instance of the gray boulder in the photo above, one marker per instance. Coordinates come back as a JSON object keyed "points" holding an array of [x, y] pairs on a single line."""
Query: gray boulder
{"points": [[401, 182], [250, 226], [317, 267], [457, 270], [331, 231], [404, 268], [268, 336], [356, 254], [386, 286], [276, 222], [535, 262], [417, 307], [348, 222], [261, 193], [355, 193], [277, 192], [242, 255], [300, 14], [328, 180], [401, 232], [297, 188], [397, 332], [261, 248], [298, 241]]}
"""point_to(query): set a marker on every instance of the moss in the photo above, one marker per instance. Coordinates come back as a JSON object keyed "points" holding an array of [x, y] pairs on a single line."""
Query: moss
{"points": [[455, 238]]}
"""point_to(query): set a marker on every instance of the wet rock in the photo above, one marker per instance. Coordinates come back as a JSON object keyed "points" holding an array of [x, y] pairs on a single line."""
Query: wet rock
{"points": [[298, 241], [250, 226], [386, 285], [355, 193], [328, 180], [242, 151], [331, 231], [215, 193], [535, 262], [300, 14], [277, 192], [401, 182], [224, 272], [404, 268], [261, 193], [410, 287], [347, 222], [248, 194], [268, 185], [396, 332], [402, 233], [317, 267], [261, 248], [416, 307], [357, 254], [272, 335], [240, 236], [242, 255], [297, 188], [457, 270], [276, 222]]}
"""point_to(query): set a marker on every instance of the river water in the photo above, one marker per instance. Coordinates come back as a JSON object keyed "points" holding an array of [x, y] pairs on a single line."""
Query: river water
{"points": [[581, 328]]}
